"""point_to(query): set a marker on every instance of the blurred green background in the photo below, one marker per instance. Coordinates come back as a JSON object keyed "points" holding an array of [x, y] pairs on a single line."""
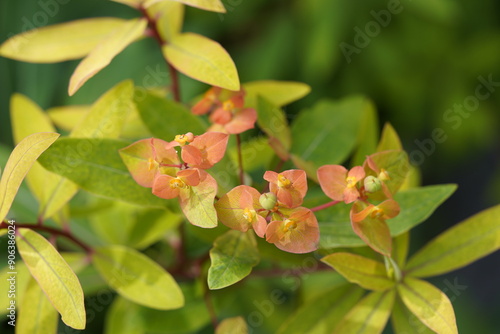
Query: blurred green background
{"points": [[419, 64]]}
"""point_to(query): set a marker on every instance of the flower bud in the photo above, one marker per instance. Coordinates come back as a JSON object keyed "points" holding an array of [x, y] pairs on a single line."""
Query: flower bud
{"points": [[372, 184], [268, 201]]}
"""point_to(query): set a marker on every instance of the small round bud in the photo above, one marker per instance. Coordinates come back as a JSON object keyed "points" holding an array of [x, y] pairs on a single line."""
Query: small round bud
{"points": [[372, 184], [268, 201]]}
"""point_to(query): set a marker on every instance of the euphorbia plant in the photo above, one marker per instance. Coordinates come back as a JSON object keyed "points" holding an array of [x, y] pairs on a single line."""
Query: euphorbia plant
{"points": [[193, 200]]}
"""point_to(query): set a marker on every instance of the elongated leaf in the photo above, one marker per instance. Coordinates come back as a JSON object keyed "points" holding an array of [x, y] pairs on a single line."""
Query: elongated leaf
{"points": [[370, 315], [272, 120], [37, 315], [460, 245], [233, 256], [236, 325], [54, 276], [20, 161], [278, 93], [166, 118], [28, 118], [60, 42], [334, 305], [105, 51], [405, 322], [389, 139], [170, 18], [18, 272], [137, 278], [96, 166], [68, 117], [367, 273], [211, 5], [429, 304], [202, 59], [123, 317], [400, 247], [326, 134], [416, 206]]}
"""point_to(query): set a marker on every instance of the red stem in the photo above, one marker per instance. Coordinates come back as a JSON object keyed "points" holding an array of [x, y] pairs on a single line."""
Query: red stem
{"points": [[156, 35], [52, 231], [324, 206]]}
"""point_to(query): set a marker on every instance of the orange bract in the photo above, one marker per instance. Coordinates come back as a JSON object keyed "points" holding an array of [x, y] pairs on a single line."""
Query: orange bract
{"points": [[340, 184], [289, 186], [205, 150]]}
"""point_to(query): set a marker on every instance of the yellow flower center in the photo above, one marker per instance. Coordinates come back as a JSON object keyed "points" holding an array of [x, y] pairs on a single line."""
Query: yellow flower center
{"points": [[283, 182], [351, 182], [152, 163], [183, 139], [178, 183], [384, 175], [376, 212], [290, 224], [249, 214], [228, 105]]}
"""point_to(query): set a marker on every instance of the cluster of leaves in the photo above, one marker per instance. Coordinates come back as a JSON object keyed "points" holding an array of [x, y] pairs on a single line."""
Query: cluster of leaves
{"points": [[199, 157]]}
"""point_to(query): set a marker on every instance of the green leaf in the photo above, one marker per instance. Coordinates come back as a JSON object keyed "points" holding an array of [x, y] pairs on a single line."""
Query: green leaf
{"points": [[20, 161], [416, 206], [272, 120], [132, 3], [166, 118], [105, 51], [400, 247], [429, 304], [278, 93], [236, 325], [54, 276], [233, 256], [370, 315], [60, 42], [255, 152], [334, 305], [389, 139], [405, 322], [210, 5], [96, 166], [365, 272], [460, 245], [123, 317], [37, 315], [138, 278], [326, 134], [202, 59], [198, 203]]}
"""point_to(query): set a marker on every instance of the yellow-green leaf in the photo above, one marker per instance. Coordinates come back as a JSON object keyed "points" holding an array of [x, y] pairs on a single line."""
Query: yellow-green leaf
{"points": [[36, 315], [232, 258], [20, 161], [21, 275], [236, 325], [210, 5], [369, 316], [368, 273], [138, 278], [405, 322], [170, 18], [400, 246], [202, 59], [68, 117], [124, 317], [60, 42], [272, 120], [389, 140], [279, 93], [197, 204], [460, 245], [28, 118], [105, 51], [429, 304], [54, 276]]}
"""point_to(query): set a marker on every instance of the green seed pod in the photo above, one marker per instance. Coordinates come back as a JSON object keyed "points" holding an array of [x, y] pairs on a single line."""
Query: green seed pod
{"points": [[268, 201], [372, 184]]}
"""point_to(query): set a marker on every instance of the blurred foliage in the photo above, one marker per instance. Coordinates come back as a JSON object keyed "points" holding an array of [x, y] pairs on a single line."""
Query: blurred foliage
{"points": [[426, 60]]}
